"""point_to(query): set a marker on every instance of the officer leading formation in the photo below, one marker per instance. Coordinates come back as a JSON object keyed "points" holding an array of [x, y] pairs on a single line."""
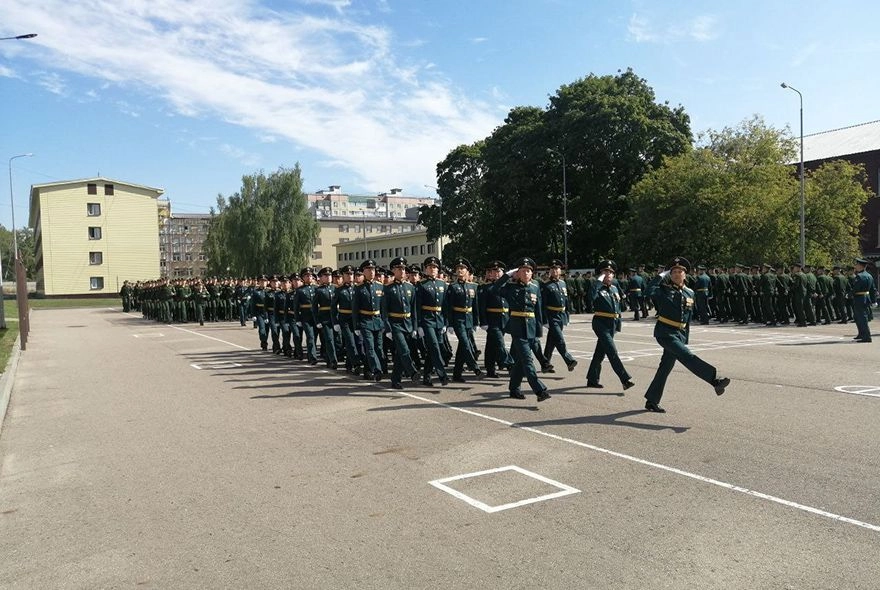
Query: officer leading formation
{"points": [[368, 319]]}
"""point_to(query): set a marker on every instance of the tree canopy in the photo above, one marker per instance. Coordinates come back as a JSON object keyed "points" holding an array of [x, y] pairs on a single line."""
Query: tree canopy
{"points": [[736, 197], [264, 228], [502, 197]]}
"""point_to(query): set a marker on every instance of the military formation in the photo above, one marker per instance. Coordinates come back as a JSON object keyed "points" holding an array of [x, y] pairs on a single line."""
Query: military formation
{"points": [[396, 323]]}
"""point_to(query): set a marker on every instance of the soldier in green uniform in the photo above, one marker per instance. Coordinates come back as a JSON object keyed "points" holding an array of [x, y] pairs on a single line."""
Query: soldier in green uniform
{"points": [[458, 309], [841, 287], [368, 320], [322, 312], [199, 298], [702, 292], [720, 293], [430, 295], [635, 293], [606, 321], [783, 286], [523, 296], [305, 318], [798, 294], [493, 319], [125, 294], [556, 305], [399, 303], [345, 325], [862, 292], [258, 305], [674, 303], [767, 290], [812, 295], [242, 296]]}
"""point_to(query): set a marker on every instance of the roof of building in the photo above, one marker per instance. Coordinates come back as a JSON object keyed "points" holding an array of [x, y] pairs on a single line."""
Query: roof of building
{"points": [[835, 143], [98, 179]]}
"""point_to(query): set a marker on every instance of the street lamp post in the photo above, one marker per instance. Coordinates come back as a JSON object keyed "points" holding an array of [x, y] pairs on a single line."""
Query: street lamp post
{"points": [[440, 209], [28, 36], [12, 204], [803, 229], [564, 207]]}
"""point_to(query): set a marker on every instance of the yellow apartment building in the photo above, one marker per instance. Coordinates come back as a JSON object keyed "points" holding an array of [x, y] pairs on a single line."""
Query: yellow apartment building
{"points": [[412, 245], [93, 234]]}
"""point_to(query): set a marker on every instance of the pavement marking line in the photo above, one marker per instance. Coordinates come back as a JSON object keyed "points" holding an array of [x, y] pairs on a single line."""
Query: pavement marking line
{"points": [[565, 490], [210, 337], [149, 335], [217, 365], [866, 390], [728, 486], [675, 470]]}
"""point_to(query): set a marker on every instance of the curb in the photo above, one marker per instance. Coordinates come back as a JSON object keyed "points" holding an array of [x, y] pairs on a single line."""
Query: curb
{"points": [[8, 379]]}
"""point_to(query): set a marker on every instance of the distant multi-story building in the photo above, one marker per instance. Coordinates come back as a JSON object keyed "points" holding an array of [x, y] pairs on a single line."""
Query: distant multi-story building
{"points": [[413, 245], [182, 243], [93, 234], [347, 218]]}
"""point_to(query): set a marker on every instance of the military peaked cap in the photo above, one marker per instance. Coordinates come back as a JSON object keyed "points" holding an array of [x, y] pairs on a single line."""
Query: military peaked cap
{"points": [[496, 265], [400, 261], [307, 271], [862, 261], [525, 261], [325, 271], [347, 268], [606, 265], [556, 264], [370, 263], [680, 262], [432, 260]]}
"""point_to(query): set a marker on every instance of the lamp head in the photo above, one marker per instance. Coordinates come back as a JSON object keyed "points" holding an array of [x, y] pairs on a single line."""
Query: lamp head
{"points": [[784, 85]]}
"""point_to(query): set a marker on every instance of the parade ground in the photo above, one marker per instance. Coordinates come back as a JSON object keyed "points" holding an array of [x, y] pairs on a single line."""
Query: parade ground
{"points": [[137, 454]]}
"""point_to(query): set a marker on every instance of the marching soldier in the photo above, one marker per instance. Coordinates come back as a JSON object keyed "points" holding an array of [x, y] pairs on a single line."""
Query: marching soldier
{"points": [[493, 319], [636, 294], [399, 307], [674, 303], [368, 320], [458, 306], [554, 296], [430, 294], [258, 303], [841, 286], [702, 290], [523, 296], [606, 321], [798, 294], [125, 292], [345, 325], [767, 285], [305, 318], [322, 311]]}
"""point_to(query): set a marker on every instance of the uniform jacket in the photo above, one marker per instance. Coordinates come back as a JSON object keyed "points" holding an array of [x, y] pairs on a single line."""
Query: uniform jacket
{"points": [[367, 305], [430, 294], [554, 296]]}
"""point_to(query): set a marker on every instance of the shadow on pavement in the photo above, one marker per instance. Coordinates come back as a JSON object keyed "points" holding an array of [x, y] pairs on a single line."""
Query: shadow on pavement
{"points": [[606, 419]]}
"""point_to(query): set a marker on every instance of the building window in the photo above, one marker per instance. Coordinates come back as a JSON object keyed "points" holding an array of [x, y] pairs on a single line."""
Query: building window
{"points": [[202, 257], [188, 257], [94, 233], [96, 283], [341, 258], [431, 248], [96, 257], [317, 241], [175, 257], [317, 254], [92, 189], [108, 190], [93, 209], [397, 251], [406, 250], [422, 249]]}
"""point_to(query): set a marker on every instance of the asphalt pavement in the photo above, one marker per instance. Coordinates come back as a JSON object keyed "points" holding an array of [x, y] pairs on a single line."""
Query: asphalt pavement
{"points": [[137, 454]]}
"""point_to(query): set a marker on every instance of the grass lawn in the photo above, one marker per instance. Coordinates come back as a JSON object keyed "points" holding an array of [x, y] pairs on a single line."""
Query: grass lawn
{"points": [[7, 336]]}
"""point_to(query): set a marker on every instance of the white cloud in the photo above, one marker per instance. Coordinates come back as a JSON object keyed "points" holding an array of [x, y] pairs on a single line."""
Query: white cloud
{"points": [[338, 5], [247, 159], [328, 84], [479, 40], [51, 82], [7, 72], [700, 28]]}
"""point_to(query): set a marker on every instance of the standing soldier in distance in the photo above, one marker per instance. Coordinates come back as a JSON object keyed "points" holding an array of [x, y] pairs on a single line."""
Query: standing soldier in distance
{"points": [[702, 291], [840, 288], [344, 306], [635, 293], [606, 321], [767, 289], [554, 296], [258, 304], [798, 294], [862, 290]]}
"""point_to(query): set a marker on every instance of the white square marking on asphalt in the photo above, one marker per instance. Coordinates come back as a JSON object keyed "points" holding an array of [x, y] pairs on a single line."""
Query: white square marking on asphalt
{"points": [[564, 489], [149, 335]]}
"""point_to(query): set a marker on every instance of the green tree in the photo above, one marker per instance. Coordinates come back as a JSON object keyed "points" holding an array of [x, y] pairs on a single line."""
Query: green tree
{"points": [[264, 228], [502, 197], [736, 198], [26, 251]]}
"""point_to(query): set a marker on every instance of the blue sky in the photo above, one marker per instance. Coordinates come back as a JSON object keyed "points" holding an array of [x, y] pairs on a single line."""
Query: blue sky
{"points": [[371, 94]]}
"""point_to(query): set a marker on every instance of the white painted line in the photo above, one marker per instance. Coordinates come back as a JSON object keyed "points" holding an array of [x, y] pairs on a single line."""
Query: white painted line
{"points": [[220, 365], [866, 390], [565, 490], [149, 335], [668, 469], [211, 338]]}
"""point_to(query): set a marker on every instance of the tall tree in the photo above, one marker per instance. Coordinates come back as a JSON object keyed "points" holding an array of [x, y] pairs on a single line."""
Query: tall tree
{"points": [[264, 228], [736, 197]]}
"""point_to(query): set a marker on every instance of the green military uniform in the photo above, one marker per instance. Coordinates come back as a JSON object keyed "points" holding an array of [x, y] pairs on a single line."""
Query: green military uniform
{"points": [[606, 321], [556, 306]]}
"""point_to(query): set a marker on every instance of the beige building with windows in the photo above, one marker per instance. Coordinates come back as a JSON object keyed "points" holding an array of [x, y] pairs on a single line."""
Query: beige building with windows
{"points": [[412, 245], [93, 234], [347, 218]]}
